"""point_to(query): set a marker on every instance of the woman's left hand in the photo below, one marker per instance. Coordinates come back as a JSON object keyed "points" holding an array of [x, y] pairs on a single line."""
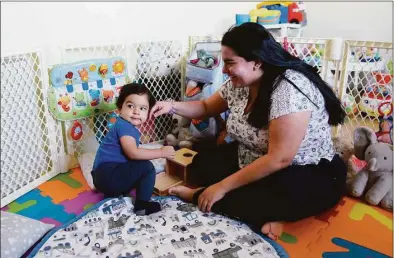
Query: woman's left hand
{"points": [[210, 196]]}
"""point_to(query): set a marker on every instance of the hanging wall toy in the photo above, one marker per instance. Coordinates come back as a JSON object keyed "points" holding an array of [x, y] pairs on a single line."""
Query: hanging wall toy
{"points": [[85, 88], [76, 131]]}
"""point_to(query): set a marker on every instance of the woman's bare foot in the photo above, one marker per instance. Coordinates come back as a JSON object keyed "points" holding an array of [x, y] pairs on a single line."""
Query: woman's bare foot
{"points": [[183, 192], [272, 229]]}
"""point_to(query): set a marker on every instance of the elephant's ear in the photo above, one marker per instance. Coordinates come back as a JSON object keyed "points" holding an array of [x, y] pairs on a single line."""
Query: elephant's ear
{"points": [[363, 137]]}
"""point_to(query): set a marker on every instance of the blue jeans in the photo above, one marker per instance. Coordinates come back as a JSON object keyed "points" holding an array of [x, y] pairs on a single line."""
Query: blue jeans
{"points": [[115, 179]]}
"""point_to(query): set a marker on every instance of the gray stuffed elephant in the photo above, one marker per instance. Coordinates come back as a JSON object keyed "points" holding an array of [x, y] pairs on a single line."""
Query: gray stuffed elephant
{"points": [[375, 180]]}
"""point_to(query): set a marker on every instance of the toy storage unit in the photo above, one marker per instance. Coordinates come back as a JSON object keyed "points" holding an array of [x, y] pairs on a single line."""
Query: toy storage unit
{"points": [[202, 74], [208, 81]]}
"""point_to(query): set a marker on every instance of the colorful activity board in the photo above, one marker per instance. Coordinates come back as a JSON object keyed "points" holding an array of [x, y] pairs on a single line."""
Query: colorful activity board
{"points": [[86, 88]]}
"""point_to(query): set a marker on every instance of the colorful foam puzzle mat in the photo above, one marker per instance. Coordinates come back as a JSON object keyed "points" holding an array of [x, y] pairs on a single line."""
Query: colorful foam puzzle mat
{"points": [[351, 229]]}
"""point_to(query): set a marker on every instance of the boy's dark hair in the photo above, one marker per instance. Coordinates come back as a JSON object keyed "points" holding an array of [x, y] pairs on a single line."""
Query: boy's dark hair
{"points": [[134, 88]]}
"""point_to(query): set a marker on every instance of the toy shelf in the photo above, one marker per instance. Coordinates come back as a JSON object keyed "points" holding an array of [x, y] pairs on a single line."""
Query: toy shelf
{"points": [[284, 27]]}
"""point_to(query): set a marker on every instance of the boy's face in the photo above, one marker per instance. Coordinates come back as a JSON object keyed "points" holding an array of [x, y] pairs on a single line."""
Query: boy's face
{"points": [[135, 109]]}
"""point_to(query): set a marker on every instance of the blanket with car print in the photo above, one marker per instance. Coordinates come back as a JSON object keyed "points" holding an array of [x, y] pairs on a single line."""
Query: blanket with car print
{"points": [[111, 229]]}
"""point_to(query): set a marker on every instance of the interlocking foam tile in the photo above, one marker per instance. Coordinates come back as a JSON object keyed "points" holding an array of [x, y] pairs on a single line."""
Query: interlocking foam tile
{"points": [[65, 178], [87, 206], [352, 250], [299, 235], [77, 204], [16, 207], [356, 224], [328, 216], [51, 221], [59, 188], [43, 207]]}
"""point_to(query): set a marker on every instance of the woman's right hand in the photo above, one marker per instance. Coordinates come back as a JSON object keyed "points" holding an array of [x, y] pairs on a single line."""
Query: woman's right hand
{"points": [[160, 108], [168, 152]]}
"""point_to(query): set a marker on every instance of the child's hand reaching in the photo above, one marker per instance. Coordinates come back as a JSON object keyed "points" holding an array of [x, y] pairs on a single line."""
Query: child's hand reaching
{"points": [[167, 152]]}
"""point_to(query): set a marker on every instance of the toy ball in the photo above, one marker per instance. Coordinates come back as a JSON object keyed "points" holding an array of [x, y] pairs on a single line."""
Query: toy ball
{"points": [[349, 104], [76, 131]]}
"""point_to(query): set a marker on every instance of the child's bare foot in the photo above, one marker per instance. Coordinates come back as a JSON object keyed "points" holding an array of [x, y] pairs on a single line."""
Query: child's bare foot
{"points": [[183, 192], [272, 229]]}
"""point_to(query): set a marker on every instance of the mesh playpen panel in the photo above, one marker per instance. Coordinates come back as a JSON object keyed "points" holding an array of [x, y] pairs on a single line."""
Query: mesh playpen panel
{"points": [[31, 139], [157, 64], [365, 83]]}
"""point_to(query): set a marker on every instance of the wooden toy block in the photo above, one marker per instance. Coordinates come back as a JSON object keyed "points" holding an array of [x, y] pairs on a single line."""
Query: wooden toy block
{"points": [[164, 182], [179, 165], [176, 171]]}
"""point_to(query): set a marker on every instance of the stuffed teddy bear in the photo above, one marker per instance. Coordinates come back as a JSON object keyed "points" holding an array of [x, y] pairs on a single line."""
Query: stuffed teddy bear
{"points": [[375, 179], [180, 133], [344, 148]]}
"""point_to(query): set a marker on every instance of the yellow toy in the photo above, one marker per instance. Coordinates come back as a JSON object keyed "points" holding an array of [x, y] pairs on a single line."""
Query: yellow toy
{"points": [[258, 6], [262, 12]]}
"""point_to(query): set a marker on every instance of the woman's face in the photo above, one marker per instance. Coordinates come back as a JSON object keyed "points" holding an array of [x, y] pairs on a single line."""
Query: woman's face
{"points": [[241, 72]]}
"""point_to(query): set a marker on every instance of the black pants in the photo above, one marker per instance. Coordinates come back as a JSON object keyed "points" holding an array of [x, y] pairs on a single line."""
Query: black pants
{"points": [[291, 194]]}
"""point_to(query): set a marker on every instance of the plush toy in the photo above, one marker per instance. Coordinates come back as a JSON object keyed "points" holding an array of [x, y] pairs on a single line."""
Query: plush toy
{"points": [[345, 149], [375, 179], [204, 59], [180, 134]]}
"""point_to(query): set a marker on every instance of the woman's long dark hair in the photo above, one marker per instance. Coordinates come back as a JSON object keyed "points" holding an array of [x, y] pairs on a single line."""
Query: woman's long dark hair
{"points": [[254, 43]]}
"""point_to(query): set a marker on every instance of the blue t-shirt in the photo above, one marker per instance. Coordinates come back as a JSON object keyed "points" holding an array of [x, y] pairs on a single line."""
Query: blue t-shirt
{"points": [[110, 149]]}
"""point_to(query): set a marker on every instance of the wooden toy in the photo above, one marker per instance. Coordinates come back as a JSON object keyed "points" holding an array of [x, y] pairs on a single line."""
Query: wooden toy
{"points": [[176, 171]]}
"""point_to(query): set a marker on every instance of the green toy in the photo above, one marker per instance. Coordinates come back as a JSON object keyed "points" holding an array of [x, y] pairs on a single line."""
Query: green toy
{"points": [[390, 67]]}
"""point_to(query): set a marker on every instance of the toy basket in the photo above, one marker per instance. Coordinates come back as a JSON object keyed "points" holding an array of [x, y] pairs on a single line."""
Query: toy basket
{"points": [[203, 74]]}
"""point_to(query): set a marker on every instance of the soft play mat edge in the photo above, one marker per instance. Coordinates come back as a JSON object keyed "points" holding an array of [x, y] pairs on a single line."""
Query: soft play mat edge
{"points": [[278, 248]]}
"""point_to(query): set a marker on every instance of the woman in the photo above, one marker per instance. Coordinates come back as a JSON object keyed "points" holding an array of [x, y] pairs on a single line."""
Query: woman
{"points": [[281, 165]]}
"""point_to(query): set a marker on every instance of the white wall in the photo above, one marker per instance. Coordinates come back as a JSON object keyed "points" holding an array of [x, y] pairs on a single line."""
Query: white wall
{"points": [[25, 25], [350, 20]]}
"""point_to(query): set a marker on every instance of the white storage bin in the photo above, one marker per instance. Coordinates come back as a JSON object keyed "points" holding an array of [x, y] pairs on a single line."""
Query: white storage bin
{"points": [[201, 74]]}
